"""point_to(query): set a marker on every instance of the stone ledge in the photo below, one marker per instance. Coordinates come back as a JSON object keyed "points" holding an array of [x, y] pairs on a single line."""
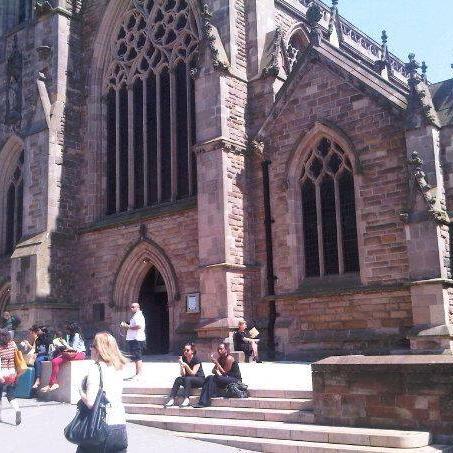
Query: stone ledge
{"points": [[130, 217]]}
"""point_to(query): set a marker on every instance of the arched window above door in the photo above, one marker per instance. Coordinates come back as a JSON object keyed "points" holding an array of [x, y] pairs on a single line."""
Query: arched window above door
{"points": [[150, 106]]}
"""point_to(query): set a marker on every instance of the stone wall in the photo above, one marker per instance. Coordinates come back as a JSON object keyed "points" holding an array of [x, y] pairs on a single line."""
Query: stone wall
{"points": [[404, 392]]}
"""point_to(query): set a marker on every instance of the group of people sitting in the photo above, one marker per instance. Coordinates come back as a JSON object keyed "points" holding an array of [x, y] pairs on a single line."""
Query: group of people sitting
{"points": [[59, 347], [225, 371]]}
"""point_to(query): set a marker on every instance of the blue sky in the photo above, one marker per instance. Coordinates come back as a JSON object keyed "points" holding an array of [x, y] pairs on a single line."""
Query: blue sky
{"points": [[419, 26]]}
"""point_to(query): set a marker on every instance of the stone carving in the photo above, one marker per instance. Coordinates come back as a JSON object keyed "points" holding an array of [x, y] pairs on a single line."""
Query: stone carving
{"points": [[333, 16], [42, 7], [420, 108], [273, 66], [314, 15], [383, 63], [418, 182], [256, 147], [152, 35], [14, 86], [211, 36]]}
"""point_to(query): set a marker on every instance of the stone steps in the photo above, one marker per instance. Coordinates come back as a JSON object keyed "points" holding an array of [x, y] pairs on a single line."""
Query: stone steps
{"points": [[252, 402], [268, 421], [254, 393], [239, 413], [293, 446], [286, 431]]}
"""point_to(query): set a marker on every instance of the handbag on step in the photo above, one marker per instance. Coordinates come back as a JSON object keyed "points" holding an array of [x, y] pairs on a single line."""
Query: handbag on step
{"points": [[89, 427]]}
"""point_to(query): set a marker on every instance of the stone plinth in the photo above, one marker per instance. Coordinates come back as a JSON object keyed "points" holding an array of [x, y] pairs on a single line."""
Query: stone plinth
{"points": [[410, 392], [70, 378]]}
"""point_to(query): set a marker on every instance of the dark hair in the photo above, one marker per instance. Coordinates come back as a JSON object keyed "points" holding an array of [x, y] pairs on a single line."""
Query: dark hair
{"points": [[5, 337], [227, 347], [192, 347], [73, 328], [35, 328]]}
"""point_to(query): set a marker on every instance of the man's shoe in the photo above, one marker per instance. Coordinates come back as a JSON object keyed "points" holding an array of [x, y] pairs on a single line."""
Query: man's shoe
{"points": [[18, 418], [45, 389]]}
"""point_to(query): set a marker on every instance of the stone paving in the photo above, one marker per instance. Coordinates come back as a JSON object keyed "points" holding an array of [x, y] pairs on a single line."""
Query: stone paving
{"points": [[42, 427]]}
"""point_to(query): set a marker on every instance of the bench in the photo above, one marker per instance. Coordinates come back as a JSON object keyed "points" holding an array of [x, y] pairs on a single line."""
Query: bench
{"points": [[70, 378]]}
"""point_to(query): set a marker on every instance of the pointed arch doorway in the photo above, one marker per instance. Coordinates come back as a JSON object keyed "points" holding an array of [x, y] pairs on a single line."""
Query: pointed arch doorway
{"points": [[154, 304]]}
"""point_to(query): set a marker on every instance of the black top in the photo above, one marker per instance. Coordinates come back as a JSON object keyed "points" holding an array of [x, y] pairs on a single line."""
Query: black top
{"points": [[192, 363], [42, 344], [235, 372], [238, 339]]}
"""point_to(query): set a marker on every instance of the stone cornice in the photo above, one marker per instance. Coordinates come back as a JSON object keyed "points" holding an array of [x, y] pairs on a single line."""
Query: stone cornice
{"points": [[232, 267], [220, 143]]}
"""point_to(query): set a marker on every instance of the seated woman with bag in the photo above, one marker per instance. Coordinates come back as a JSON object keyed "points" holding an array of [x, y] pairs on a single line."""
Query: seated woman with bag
{"points": [[226, 371], [8, 373], [76, 351], [192, 375], [102, 397]]}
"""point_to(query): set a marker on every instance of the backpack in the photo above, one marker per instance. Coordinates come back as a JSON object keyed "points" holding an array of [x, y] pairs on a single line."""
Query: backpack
{"points": [[236, 390]]}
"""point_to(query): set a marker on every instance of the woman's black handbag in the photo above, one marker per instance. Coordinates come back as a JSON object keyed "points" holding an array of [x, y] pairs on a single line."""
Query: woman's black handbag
{"points": [[89, 427]]}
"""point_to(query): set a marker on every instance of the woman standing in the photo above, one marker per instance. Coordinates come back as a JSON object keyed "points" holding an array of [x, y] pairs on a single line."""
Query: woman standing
{"points": [[8, 374], [105, 352], [192, 375], [76, 351]]}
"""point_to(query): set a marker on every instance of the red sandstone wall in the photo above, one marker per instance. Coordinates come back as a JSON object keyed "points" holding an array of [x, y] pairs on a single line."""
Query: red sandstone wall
{"points": [[381, 189]]}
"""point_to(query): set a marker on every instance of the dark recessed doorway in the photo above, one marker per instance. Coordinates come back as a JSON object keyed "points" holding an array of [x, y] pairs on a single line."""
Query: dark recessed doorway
{"points": [[154, 304]]}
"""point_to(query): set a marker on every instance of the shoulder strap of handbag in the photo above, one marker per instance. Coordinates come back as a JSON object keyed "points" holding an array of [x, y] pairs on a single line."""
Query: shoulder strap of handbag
{"points": [[101, 383]]}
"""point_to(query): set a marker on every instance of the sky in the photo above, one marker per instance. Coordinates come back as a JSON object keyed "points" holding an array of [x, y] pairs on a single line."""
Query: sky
{"points": [[423, 27]]}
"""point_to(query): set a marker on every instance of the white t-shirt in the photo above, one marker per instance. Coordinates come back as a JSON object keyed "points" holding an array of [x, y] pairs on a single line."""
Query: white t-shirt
{"points": [[137, 334], [112, 380]]}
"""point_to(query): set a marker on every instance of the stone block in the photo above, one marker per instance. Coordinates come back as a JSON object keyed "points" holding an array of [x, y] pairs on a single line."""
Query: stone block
{"points": [[70, 379]]}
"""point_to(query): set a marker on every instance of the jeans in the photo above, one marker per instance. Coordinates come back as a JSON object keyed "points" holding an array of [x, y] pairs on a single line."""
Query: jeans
{"points": [[211, 385], [187, 382], [38, 364], [116, 441]]}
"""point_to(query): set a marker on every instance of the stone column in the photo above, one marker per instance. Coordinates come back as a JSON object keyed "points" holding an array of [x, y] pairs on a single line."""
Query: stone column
{"points": [[428, 243]]}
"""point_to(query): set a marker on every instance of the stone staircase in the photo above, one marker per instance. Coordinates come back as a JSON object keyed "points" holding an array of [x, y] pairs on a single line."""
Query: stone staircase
{"points": [[268, 421]]}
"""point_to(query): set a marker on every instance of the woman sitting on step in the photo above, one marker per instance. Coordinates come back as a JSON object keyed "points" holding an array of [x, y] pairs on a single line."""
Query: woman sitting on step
{"points": [[225, 371], [76, 351], [192, 375]]}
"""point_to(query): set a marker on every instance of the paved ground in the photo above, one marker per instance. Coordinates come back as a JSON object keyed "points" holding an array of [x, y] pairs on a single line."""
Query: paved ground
{"points": [[42, 432]]}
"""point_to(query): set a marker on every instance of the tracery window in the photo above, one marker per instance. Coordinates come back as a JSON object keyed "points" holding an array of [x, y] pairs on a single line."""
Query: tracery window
{"points": [[14, 206], [150, 106], [328, 212]]}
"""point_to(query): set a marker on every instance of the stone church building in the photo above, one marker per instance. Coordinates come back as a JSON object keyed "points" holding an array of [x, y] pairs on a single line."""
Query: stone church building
{"points": [[220, 159]]}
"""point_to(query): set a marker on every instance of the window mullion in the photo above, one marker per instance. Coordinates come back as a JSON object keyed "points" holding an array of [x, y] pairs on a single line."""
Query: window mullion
{"points": [[145, 144], [189, 127], [117, 156], [320, 233], [158, 138], [174, 164], [130, 148], [339, 230]]}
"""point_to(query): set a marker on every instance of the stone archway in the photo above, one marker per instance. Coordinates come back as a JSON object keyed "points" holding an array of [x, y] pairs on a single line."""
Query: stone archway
{"points": [[132, 276]]}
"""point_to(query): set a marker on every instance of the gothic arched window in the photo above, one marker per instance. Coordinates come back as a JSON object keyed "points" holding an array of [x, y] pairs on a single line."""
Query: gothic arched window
{"points": [[150, 106], [328, 212], [14, 207]]}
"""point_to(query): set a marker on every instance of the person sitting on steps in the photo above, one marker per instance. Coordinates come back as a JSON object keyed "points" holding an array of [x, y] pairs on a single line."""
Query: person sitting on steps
{"points": [[226, 371], [76, 351], [243, 342], [192, 375]]}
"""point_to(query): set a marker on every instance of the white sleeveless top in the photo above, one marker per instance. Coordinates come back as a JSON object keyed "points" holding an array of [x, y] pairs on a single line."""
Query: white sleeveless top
{"points": [[113, 387]]}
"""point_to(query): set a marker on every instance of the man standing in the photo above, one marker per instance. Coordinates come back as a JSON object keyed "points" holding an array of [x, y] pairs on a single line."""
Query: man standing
{"points": [[136, 338]]}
